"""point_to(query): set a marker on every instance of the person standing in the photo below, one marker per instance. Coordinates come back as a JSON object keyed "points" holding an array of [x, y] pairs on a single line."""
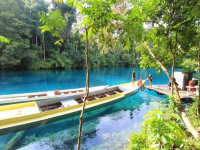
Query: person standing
{"points": [[150, 78], [133, 77]]}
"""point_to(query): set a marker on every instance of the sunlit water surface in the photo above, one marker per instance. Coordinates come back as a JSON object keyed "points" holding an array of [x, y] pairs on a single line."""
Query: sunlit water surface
{"points": [[107, 128]]}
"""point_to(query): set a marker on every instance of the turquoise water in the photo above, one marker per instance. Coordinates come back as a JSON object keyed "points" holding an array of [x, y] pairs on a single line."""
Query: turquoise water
{"points": [[105, 128]]}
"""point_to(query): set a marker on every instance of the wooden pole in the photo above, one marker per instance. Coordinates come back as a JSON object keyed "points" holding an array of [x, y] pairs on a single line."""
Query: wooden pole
{"points": [[86, 92]]}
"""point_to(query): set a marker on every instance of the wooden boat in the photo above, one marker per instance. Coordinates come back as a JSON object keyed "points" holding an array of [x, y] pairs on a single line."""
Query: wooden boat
{"points": [[16, 117], [39, 96]]}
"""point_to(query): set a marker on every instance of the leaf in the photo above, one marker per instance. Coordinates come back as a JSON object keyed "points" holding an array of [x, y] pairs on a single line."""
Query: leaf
{"points": [[59, 42], [70, 2], [164, 140], [4, 40], [179, 142], [174, 126], [168, 139]]}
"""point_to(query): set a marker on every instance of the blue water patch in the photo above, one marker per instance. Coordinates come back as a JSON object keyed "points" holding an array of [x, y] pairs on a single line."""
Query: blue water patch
{"points": [[105, 128], [13, 82]]}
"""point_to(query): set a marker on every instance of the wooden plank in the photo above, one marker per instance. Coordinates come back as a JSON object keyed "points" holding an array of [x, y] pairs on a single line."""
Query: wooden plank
{"points": [[163, 89]]}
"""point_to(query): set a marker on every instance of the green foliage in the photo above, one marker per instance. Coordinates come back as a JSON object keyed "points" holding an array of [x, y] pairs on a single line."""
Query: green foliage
{"points": [[161, 130], [170, 30], [54, 23], [192, 113], [3, 39], [12, 20], [127, 59], [138, 142], [31, 49], [189, 65]]}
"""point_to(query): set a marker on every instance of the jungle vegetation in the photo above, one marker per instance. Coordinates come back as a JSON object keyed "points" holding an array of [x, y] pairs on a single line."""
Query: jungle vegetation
{"points": [[30, 49]]}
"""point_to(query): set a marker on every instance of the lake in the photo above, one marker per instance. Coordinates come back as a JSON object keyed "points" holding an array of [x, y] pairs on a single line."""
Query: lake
{"points": [[105, 128]]}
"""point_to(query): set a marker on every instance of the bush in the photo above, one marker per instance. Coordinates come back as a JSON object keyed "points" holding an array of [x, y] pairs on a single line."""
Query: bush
{"points": [[162, 130]]}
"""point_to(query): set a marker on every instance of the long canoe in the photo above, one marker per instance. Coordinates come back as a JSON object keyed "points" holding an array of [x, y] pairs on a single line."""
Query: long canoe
{"points": [[39, 96], [21, 116]]}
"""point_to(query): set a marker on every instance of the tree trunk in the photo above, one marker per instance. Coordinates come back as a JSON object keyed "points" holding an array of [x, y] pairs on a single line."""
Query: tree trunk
{"points": [[181, 109], [44, 50], [86, 92], [172, 77], [36, 41], [198, 98]]}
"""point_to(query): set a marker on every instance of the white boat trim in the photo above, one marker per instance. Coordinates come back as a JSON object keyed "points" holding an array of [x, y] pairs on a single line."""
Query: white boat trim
{"points": [[17, 98]]}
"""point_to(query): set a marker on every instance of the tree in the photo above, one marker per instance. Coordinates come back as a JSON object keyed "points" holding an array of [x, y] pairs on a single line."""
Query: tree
{"points": [[96, 16], [54, 23], [18, 20], [195, 11], [166, 19], [11, 25], [35, 7]]}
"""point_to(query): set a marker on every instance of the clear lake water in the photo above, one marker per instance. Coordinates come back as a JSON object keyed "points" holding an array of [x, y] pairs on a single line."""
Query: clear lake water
{"points": [[107, 128]]}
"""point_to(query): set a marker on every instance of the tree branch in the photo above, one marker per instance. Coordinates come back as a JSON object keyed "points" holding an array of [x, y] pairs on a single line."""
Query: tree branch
{"points": [[181, 109]]}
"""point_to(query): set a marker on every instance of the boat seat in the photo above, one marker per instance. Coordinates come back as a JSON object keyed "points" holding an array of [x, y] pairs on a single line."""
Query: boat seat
{"points": [[51, 106], [110, 93], [95, 97], [90, 98], [107, 95], [116, 92], [79, 100], [101, 95], [54, 104]]}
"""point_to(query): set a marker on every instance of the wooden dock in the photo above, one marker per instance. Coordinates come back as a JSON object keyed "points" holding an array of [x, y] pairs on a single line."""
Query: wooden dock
{"points": [[163, 89]]}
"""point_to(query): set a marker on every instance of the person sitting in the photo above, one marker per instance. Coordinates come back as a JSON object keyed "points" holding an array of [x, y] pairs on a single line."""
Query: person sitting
{"points": [[169, 83], [191, 84], [140, 84]]}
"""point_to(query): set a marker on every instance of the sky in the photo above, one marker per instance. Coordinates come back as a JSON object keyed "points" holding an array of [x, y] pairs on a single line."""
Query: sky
{"points": [[47, 1]]}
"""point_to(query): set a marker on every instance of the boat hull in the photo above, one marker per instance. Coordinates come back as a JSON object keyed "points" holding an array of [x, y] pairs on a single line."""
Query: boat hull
{"points": [[34, 120], [42, 96]]}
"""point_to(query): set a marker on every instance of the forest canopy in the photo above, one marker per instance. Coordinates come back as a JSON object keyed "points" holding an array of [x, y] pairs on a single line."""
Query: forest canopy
{"points": [[30, 49]]}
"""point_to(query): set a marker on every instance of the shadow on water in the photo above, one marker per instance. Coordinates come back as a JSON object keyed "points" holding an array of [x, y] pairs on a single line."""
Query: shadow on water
{"points": [[187, 100]]}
